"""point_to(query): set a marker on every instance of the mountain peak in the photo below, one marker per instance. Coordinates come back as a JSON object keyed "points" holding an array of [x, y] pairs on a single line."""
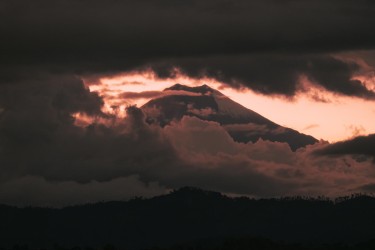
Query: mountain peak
{"points": [[203, 89], [242, 124]]}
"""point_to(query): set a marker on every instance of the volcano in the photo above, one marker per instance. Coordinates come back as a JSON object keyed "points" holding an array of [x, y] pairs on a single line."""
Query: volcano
{"points": [[242, 124]]}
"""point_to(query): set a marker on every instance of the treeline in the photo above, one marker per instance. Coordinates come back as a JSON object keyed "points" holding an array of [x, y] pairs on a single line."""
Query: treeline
{"points": [[239, 243], [189, 214]]}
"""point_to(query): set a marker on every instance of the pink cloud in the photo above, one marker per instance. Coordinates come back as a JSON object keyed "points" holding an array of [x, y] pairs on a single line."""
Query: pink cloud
{"points": [[191, 152]]}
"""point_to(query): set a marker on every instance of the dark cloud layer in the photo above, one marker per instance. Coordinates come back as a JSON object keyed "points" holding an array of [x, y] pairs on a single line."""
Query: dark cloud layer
{"points": [[41, 140], [264, 45], [75, 29], [272, 74], [360, 146], [45, 159]]}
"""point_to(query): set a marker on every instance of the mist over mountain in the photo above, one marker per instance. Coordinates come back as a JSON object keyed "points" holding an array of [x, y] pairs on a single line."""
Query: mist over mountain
{"points": [[243, 124]]}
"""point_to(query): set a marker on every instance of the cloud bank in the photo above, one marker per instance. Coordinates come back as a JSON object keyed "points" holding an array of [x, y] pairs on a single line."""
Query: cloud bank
{"points": [[43, 153], [362, 146]]}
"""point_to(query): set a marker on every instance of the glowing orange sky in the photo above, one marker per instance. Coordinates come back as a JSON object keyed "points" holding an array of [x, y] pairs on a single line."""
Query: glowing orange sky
{"points": [[336, 119]]}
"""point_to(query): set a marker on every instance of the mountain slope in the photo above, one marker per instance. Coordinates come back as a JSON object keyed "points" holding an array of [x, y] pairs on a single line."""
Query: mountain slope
{"points": [[241, 123]]}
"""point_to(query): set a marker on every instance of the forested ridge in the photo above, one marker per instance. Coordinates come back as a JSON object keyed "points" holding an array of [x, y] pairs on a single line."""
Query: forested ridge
{"points": [[188, 215]]}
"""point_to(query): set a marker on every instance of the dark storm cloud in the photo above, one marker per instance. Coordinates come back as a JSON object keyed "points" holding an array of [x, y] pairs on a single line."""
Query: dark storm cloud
{"points": [[96, 37], [49, 95], [44, 154], [38, 135], [271, 74], [359, 146], [176, 28], [47, 145]]}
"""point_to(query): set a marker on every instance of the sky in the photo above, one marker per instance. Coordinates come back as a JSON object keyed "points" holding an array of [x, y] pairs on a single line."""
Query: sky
{"points": [[65, 65], [332, 118]]}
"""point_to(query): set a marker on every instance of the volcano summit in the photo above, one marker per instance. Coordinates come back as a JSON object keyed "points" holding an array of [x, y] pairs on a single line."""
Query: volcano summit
{"points": [[203, 102]]}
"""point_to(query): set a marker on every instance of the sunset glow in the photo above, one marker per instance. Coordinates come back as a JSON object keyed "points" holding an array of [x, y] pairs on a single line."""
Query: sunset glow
{"points": [[313, 111]]}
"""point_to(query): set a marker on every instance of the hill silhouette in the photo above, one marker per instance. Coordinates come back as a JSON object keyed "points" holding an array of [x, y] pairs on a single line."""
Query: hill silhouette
{"points": [[187, 215]]}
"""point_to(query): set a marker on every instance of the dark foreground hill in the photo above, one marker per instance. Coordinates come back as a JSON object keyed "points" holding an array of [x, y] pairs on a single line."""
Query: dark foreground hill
{"points": [[187, 215]]}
